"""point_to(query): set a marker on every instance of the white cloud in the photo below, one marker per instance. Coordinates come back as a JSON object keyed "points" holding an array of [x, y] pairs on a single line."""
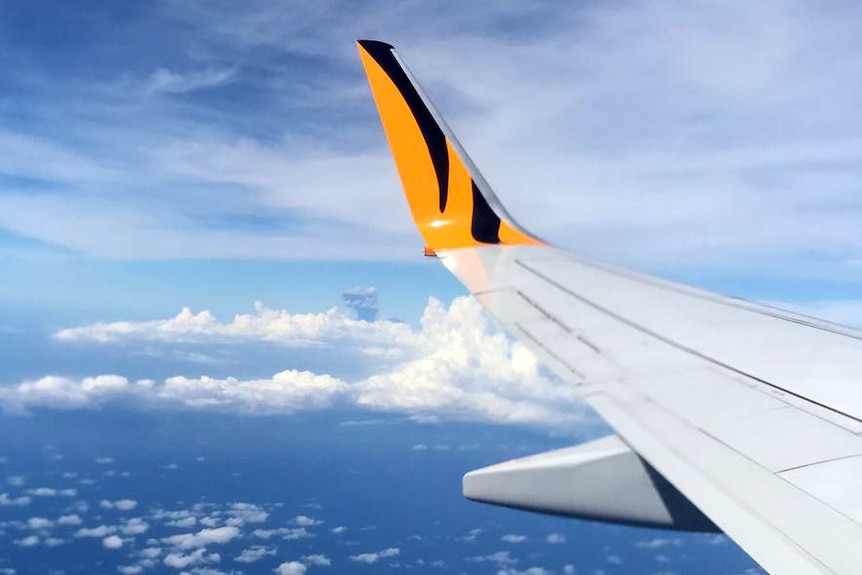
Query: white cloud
{"points": [[104, 460], [112, 542], [569, 569], [501, 558], [120, 504], [510, 538], [317, 560], [134, 526], [287, 533], [305, 521], [15, 480], [291, 568], [197, 557], [456, 364], [43, 492], [165, 81], [7, 501], [372, 558], [243, 513], [35, 523], [184, 523], [99, 532], [30, 541], [555, 538], [130, 569], [54, 542], [202, 538], [69, 520], [253, 554], [338, 530]]}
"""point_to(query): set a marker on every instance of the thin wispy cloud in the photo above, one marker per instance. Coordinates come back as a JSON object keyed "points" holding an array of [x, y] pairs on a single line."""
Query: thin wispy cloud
{"points": [[683, 134]]}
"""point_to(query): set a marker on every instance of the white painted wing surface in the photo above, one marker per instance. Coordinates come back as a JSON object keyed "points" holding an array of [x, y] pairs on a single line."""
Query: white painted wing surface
{"points": [[751, 412]]}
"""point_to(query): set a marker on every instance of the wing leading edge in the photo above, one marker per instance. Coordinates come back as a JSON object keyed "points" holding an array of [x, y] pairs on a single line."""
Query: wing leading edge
{"points": [[752, 414]]}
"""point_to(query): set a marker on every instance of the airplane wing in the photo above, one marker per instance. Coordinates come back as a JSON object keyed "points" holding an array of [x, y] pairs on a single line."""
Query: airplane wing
{"points": [[729, 415]]}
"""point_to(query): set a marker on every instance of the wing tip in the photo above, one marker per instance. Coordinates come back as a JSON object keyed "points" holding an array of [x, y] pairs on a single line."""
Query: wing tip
{"points": [[372, 46]]}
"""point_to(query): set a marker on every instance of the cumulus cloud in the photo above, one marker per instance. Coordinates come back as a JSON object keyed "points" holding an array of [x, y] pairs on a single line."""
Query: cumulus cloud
{"points": [[134, 526], [99, 532], [69, 520], [202, 538], [253, 554], [35, 523], [8, 501], [197, 557], [291, 568], [286, 533], [277, 326], [372, 558], [555, 538], [30, 541], [305, 521], [456, 364], [43, 492], [317, 560], [511, 538], [120, 505], [112, 542]]}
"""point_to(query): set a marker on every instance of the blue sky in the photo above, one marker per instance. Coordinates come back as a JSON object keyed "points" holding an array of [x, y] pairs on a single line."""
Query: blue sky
{"points": [[225, 158]]}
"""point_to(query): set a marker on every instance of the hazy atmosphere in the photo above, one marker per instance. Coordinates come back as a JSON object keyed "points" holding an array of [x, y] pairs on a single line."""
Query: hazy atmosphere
{"points": [[221, 349]]}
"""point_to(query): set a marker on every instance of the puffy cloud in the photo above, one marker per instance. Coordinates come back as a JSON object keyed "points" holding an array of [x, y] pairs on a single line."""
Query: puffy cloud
{"points": [[130, 569], [372, 558], [555, 538], [120, 504], [253, 554], [69, 520], [35, 523], [62, 392], [134, 526], [54, 542], [317, 560], [7, 501], [112, 542], [30, 541], [286, 533], [99, 532], [305, 521], [338, 530], [500, 558], [202, 538], [43, 492], [277, 326], [291, 568], [510, 538], [242, 513], [456, 364], [197, 557]]}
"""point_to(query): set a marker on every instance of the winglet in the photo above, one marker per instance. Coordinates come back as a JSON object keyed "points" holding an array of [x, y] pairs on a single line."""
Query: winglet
{"points": [[451, 202]]}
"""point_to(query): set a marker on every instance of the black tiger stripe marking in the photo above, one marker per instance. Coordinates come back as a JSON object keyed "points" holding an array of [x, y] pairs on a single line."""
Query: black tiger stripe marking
{"points": [[485, 226], [434, 138]]}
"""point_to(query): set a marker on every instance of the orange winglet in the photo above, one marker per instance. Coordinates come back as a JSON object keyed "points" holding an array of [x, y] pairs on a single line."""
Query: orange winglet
{"points": [[450, 202]]}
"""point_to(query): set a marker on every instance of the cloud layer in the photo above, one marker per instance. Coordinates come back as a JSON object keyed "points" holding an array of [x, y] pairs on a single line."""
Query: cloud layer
{"points": [[455, 364]]}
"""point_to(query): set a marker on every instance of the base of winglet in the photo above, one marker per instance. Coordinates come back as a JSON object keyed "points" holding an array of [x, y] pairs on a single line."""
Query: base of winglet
{"points": [[429, 253], [603, 480]]}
